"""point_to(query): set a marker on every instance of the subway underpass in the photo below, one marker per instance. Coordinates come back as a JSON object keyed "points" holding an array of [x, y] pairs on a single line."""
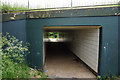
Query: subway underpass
{"points": [[62, 63], [72, 52]]}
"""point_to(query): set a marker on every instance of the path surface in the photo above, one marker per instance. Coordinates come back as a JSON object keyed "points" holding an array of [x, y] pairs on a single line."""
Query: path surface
{"points": [[61, 63]]}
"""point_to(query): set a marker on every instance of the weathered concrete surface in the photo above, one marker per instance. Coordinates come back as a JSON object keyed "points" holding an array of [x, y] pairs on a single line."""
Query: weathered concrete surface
{"points": [[98, 11], [104, 11], [13, 16], [61, 63]]}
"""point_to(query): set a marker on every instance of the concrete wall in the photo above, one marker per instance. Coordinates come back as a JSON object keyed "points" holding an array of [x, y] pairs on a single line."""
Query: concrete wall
{"points": [[31, 30], [15, 28], [108, 60], [0, 27], [34, 29], [119, 44], [85, 44]]}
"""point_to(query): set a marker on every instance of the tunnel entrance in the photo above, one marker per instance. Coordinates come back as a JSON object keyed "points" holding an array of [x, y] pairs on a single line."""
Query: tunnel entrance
{"points": [[71, 51]]}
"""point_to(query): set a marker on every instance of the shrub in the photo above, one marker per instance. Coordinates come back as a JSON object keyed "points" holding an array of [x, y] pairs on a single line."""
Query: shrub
{"points": [[11, 69], [13, 48], [13, 53]]}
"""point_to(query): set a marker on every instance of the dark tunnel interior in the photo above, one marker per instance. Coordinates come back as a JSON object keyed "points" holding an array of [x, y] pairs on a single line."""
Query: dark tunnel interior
{"points": [[71, 53]]}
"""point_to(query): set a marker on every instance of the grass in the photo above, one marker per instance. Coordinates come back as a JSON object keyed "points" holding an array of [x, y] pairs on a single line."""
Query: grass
{"points": [[9, 9], [37, 74], [12, 70]]}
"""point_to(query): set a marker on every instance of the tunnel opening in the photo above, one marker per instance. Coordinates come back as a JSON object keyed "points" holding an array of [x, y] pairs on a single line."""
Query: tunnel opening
{"points": [[71, 51]]}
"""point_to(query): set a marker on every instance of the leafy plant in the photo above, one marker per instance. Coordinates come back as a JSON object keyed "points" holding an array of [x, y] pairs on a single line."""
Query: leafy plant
{"points": [[13, 48], [52, 34], [99, 77], [11, 69], [13, 53]]}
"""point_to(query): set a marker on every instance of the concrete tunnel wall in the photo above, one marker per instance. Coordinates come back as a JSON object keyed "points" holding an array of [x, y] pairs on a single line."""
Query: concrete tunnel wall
{"points": [[84, 43], [109, 39], [15, 28], [119, 44], [31, 30]]}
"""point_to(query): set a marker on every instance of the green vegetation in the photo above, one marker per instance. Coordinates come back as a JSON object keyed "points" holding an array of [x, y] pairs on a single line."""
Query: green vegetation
{"points": [[114, 77], [11, 69], [13, 54], [54, 34], [7, 8], [4, 7]]}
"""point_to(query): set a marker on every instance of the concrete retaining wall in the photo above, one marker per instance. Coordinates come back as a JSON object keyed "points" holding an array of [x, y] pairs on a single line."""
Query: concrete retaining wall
{"points": [[31, 30], [15, 28]]}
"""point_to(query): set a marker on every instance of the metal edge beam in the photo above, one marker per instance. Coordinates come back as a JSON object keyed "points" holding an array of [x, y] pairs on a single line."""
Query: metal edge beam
{"points": [[69, 27]]}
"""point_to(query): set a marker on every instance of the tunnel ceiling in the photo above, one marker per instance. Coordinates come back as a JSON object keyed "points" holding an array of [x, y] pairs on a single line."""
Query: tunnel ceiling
{"points": [[66, 28]]}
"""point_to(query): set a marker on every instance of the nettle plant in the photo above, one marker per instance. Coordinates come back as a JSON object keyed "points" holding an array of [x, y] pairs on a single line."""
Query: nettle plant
{"points": [[13, 48], [13, 54]]}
